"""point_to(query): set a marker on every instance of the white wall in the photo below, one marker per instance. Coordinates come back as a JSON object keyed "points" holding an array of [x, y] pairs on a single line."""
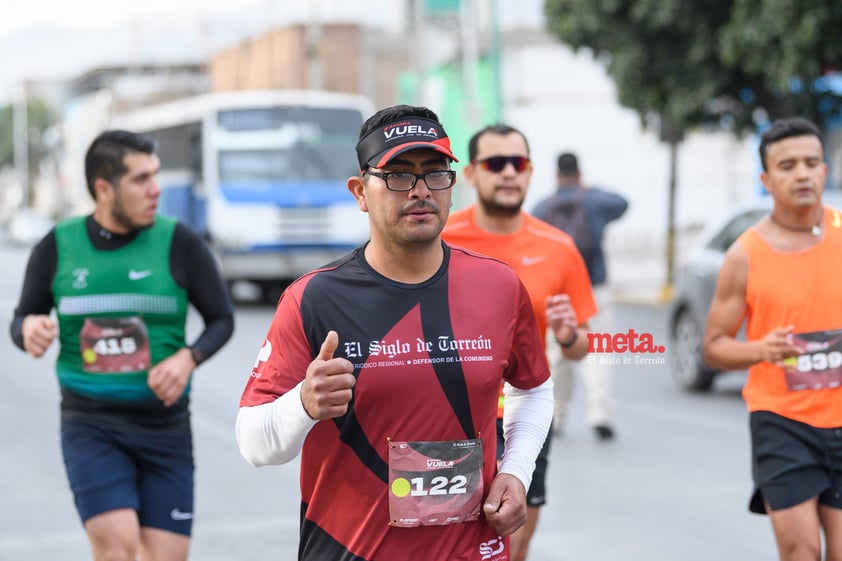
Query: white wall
{"points": [[565, 101]]}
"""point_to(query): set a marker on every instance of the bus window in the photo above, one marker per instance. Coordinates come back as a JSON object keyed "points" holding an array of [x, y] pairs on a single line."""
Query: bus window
{"points": [[262, 175]]}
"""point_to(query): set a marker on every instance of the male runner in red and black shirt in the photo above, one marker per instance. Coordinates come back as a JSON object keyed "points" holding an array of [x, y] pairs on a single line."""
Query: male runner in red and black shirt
{"points": [[383, 370]]}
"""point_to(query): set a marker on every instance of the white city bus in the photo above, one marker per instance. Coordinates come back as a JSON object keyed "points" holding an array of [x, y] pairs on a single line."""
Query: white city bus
{"points": [[261, 174]]}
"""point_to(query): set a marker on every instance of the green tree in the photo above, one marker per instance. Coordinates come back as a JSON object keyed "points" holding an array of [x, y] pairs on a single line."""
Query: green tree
{"points": [[786, 48], [39, 118], [725, 64], [7, 136]]}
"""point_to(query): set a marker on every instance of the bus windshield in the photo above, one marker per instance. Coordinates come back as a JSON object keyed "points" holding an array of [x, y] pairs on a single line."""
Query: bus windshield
{"points": [[287, 144]]}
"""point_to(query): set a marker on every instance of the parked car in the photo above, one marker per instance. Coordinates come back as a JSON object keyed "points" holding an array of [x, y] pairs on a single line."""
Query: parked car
{"points": [[695, 283], [27, 226]]}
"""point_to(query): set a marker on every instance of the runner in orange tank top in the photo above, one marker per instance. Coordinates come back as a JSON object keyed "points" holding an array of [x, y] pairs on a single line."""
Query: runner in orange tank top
{"points": [[544, 257], [782, 279]]}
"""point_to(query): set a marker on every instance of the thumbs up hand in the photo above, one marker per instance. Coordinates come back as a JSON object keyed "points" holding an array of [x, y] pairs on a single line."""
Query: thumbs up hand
{"points": [[326, 390]]}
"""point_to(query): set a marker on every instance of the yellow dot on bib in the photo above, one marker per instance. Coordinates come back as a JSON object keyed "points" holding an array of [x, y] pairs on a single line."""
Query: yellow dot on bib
{"points": [[400, 487], [89, 356]]}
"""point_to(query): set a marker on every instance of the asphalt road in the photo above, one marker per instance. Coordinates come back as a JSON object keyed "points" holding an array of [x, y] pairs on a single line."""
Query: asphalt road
{"points": [[673, 486]]}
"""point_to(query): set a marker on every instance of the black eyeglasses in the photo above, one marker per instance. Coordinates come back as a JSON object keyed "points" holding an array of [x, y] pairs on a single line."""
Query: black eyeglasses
{"points": [[496, 164], [405, 181]]}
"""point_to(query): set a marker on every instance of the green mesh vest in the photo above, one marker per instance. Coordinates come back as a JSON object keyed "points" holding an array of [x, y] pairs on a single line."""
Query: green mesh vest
{"points": [[119, 311]]}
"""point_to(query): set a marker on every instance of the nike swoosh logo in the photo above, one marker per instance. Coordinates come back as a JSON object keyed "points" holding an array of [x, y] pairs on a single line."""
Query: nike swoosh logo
{"points": [[176, 514], [532, 260], [137, 275]]}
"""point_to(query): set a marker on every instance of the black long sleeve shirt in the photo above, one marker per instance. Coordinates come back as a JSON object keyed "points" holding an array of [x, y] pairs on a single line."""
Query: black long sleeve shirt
{"points": [[192, 266]]}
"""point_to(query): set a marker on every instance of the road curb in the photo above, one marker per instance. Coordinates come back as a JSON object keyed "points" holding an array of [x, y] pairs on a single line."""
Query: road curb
{"points": [[643, 296]]}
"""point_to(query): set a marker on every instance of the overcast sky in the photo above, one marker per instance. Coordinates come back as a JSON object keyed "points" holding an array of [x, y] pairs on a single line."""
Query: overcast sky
{"points": [[93, 15], [50, 40], [100, 14]]}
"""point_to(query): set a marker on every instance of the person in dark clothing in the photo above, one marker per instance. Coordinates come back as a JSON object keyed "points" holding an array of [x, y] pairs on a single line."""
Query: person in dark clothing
{"points": [[584, 213], [120, 281]]}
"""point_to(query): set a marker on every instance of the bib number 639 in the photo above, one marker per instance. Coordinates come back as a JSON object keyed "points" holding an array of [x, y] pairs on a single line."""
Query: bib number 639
{"points": [[819, 361]]}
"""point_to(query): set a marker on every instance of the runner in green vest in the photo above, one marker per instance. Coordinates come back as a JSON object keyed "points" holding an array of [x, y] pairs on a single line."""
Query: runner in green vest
{"points": [[120, 281]]}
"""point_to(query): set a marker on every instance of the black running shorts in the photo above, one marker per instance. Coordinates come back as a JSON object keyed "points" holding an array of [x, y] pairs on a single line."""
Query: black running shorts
{"points": [[794, 462]]}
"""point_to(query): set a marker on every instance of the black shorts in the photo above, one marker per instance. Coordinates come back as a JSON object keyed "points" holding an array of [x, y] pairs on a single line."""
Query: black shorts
{"points": [[793, 462], [536, 495], [127, 459]]}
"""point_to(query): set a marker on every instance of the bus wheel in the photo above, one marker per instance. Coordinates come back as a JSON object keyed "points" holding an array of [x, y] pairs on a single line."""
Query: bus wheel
{"points": [[270, 291]]}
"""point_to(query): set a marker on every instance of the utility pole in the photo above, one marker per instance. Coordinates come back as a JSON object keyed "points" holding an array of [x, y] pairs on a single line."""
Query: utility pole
{"points": [[496, 64], [417, 23], [21, 143], [314, 48], [469, 38]]}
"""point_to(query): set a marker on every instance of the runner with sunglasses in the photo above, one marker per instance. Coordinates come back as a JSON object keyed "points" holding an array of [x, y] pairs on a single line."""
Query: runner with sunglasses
{"points": [[544, 257]]}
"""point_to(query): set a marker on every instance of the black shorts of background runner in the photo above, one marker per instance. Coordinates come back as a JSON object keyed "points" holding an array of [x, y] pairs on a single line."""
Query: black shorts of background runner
{"points": [[793, 462], [130, 458], [536, 495]]}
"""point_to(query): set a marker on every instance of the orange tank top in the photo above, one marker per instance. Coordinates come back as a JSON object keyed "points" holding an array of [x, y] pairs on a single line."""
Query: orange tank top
{"points": [[802, 289]]}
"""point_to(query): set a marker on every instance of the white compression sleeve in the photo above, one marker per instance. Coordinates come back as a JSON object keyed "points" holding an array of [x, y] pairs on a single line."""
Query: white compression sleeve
{"points": [[527, 415], [273, 433]]}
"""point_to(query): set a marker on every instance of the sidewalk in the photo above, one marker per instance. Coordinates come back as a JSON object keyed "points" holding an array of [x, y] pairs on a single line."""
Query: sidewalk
{"points": [[639, 277]]}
